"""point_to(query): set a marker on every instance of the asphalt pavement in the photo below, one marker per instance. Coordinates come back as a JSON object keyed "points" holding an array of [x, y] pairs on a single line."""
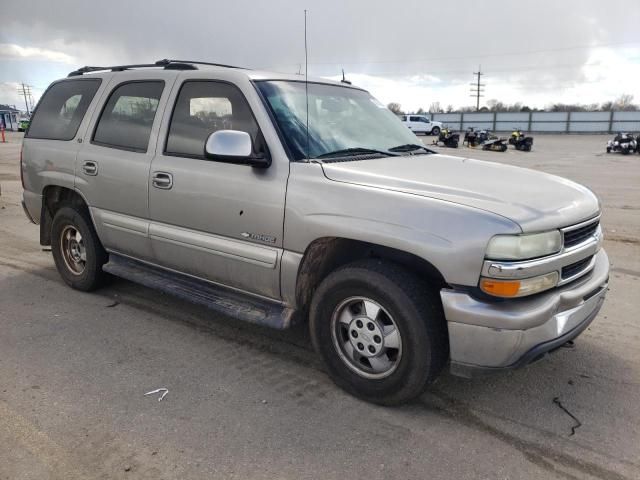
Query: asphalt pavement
{"points": [[245, 402]]}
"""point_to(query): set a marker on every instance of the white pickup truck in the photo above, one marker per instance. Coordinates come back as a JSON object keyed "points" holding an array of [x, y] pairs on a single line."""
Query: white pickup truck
{"points": [[421, 124]]}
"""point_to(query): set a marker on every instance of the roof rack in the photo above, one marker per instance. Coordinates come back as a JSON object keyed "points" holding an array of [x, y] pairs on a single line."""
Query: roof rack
{"points": [[166, 63], [196, 62]]}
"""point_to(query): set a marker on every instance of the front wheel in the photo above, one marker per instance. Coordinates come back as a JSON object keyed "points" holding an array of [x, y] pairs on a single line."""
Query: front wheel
{"points": [[380, 330], [435, 131]]}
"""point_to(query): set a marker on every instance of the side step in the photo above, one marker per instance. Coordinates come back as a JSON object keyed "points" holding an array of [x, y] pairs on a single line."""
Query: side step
{"points": [[219, 299]]}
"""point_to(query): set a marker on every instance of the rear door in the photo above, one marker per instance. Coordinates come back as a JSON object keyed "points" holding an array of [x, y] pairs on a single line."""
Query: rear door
{"points": [[112, 168], [217, 220], [55, 135], [415, 124]]}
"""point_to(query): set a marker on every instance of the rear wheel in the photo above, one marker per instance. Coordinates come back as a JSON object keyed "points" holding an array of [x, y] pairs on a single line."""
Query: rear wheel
{"points": [[77, 251], [380, 331]]}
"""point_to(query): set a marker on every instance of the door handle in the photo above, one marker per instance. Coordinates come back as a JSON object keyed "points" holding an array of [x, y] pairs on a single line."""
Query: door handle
{"points": [[89, 167], [162, 180]]}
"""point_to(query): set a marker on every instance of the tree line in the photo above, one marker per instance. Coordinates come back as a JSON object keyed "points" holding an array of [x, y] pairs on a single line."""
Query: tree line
{"points": [[623, 103]]}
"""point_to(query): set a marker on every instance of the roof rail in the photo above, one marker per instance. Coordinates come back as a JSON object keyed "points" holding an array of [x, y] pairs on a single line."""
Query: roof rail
{"points": [[196, 62], [166, 63]]}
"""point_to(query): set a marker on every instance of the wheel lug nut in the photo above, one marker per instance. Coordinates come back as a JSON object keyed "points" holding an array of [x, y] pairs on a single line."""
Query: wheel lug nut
{"points": [[370, 326], [377, 339], [360, 346], [359, 323], [354, 334], [372, 349]]}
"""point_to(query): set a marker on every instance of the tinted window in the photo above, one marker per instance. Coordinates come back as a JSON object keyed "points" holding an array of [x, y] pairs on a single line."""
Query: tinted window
{"points": [[415, 119], [62, 108], [202, 108], [128, 115]]}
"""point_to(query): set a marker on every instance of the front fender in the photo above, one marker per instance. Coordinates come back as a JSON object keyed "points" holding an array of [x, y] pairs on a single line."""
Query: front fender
{"points": [[451, 237]]}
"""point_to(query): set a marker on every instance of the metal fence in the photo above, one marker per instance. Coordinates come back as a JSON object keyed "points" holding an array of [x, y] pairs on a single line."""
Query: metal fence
{"points": [[549, 122]]}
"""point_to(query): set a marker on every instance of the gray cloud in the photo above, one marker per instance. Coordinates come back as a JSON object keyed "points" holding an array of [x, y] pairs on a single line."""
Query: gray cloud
{"points": [[378, 38]]}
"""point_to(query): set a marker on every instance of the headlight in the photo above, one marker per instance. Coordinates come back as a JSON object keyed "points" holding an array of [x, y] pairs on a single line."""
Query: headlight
{"points": [[523, 247], [518, 288]]}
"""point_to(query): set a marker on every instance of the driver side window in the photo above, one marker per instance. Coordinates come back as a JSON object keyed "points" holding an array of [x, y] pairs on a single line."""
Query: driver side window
{"points": [[204, 107]]}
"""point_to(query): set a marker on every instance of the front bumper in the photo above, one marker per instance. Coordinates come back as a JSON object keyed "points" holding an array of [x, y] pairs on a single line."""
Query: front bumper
{"points": [[486, 336]]}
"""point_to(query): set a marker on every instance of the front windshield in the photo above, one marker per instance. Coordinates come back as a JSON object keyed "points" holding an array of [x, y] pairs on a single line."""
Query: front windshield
{"points": [[340, 118]]}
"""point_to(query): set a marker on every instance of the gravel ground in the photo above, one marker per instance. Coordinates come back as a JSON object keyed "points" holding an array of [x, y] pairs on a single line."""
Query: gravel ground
{"points": [[245, 402]]}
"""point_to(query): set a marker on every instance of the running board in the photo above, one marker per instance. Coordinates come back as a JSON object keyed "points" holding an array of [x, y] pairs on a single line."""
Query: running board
{"points": [[222, 300]]}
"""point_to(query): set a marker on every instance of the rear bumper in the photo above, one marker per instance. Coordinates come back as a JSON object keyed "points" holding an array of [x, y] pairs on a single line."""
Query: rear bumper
{"points": [[504, 335]]}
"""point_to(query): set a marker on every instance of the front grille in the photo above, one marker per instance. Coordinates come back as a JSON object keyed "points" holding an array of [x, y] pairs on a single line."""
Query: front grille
{"points": [[569, 271], [579, 235]]}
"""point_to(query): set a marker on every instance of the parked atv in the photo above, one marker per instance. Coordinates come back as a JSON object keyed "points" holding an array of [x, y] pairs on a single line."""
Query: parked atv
{"points": [[448, 138], [471, 137], [520, 140], [495, 144], [624, 143], [486, 139]]}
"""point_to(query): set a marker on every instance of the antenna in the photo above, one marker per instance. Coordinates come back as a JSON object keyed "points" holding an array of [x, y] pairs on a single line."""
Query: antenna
{"points": [[344, 80], [306, 77]]}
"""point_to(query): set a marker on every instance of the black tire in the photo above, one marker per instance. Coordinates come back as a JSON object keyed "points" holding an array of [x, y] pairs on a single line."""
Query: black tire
{"points": [[91, 277], [608, 149], [435, 131], [416, 311]]}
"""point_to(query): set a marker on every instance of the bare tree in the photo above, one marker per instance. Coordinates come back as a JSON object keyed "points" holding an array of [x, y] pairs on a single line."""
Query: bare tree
{"points": [[625, 103], [435, 108], [449, 108], [395, 108], [606, 106]]}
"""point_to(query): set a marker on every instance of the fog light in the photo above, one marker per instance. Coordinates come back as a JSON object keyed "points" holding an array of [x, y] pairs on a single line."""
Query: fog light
{"points": [[518, 288]]}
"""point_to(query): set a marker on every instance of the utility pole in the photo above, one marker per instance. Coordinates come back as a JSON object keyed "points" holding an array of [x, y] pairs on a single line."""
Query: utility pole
{"points": [[25, 90], [478, 88]]}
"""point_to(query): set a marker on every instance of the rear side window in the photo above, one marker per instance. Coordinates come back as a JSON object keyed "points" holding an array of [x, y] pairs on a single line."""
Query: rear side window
{"points": [[204, 107], [62, 109], [127, 117]]}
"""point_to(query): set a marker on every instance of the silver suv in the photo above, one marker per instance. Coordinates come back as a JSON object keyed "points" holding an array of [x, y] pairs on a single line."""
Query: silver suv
{"points": [[274, 200]]}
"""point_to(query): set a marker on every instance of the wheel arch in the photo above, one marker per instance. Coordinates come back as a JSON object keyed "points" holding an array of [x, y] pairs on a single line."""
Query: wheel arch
{"points": [[326, 254], [53, 198]]}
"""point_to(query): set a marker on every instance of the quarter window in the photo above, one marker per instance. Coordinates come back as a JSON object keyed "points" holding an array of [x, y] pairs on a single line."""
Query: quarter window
{"points": [[62, 109], [204, 107], [128, 115]]}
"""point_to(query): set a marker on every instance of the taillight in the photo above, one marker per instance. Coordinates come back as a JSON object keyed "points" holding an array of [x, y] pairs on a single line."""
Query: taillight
{"points": [[21, 168]]}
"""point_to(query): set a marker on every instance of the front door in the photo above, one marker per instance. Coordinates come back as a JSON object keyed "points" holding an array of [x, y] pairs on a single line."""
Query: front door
{"points": [[216, 220]]}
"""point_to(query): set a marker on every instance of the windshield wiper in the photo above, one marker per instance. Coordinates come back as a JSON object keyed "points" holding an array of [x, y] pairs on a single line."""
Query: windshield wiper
{"points": [[410, 147], [350, 152]]}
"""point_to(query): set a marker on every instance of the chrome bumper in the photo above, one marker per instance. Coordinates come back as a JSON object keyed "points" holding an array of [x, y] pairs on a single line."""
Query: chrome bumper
{"points": [[509, 334]]}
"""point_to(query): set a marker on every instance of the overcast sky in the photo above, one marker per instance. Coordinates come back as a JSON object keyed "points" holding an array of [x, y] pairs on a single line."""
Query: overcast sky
{"points": [[411, 52]]}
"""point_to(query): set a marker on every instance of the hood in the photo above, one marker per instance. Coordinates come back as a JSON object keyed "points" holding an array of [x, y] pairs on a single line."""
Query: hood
{"points": [[535, 200]]}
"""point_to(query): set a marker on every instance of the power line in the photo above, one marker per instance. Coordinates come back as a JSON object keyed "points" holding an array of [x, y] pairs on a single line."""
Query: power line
{"points": [[477, 88]]}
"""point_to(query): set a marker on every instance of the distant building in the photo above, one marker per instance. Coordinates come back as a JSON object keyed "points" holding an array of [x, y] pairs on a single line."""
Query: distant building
{"points": [[9, 117]]}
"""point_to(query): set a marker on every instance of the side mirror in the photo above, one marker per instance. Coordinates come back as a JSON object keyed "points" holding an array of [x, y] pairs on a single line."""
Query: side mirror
{"points": [[233, 146]]}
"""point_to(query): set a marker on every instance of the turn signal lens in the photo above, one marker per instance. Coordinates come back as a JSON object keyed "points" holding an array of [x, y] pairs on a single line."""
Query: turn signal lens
{"points": [[518, 288]]}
